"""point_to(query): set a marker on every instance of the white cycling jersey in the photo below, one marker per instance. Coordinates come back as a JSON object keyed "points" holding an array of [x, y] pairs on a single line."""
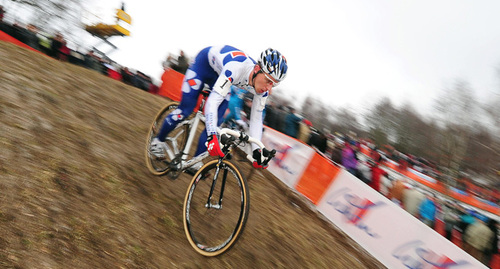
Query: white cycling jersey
{"points": [[234, 68]]}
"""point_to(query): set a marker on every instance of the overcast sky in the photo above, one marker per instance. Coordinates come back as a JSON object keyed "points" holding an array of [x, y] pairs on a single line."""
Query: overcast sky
{"points": [[346, 53]]}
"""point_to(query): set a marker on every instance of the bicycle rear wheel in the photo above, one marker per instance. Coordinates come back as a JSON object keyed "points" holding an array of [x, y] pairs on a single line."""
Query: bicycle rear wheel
{"points": [[213, 228], [176, 140]]}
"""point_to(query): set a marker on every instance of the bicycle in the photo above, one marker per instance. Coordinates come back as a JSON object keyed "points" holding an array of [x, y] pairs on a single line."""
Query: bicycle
{"points": [[209, 229], [223, 226]]}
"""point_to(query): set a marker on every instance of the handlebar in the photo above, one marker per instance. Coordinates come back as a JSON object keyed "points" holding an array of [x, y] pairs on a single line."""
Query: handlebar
{"points": [[267, 155]]}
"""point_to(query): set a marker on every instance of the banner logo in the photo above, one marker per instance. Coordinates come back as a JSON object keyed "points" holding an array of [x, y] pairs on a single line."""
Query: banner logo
{"points": [[281, 154], [414, 255], [353, 208]]}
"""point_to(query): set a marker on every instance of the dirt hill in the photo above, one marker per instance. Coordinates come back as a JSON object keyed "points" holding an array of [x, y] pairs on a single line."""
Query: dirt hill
{"points": [[75, 191]]}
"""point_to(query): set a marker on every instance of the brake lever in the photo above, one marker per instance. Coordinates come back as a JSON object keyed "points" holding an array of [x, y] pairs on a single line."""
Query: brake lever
{"points": [[269, 155], [226, 141]]}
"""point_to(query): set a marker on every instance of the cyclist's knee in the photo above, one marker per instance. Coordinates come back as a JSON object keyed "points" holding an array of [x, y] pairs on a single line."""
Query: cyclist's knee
{"points": [[176, 116]]}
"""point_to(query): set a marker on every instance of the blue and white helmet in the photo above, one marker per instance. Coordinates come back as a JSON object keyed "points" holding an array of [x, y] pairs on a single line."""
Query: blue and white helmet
{"points": [[273, 63]]}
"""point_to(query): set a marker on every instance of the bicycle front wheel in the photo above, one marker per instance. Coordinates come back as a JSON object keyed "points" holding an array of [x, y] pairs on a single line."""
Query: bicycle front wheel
{"points": [[176, 140], [213, 223]]}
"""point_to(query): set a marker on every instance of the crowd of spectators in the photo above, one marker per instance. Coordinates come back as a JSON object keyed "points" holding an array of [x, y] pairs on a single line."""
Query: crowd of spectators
{"points": [[468, 228], [285, 119], [473, 231], [462, 184], [55, 46], [179, 63]]}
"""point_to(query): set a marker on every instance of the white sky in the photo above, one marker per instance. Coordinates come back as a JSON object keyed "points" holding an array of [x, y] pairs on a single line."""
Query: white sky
{"points": [[347, 53]]}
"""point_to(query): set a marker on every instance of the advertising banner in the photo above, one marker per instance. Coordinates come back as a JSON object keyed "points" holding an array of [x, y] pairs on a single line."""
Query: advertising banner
{"points": [[292, 156], [385, 230]]}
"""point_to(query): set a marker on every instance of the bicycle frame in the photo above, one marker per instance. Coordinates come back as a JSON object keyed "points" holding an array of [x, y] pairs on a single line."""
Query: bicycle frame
{"points": [[193, 123], [181, 154]]}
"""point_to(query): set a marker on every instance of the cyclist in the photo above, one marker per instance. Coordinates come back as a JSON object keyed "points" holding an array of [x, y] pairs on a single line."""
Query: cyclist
{"points": [[220, 67]]}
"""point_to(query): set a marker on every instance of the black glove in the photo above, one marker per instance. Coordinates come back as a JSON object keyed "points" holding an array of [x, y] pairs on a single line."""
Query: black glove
{"points": [[257, 159]]}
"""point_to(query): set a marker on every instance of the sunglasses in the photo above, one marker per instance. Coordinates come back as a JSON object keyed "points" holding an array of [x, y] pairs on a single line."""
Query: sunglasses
{"points": [[271, 81]]}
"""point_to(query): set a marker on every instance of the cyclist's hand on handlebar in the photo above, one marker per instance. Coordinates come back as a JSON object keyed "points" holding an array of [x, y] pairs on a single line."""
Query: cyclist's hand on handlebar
{"points": [[258, 160], [213, 146]]}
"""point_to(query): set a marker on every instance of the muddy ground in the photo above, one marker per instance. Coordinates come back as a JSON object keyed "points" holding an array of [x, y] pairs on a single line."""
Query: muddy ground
{"points": [[75, 191]]}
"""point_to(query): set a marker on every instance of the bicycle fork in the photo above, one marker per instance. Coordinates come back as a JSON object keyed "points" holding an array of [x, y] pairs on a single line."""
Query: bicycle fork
{"points": [[212, 188]]}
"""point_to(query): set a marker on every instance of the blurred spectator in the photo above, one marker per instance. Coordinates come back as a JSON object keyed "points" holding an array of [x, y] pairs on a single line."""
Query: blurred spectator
{"points": [[364, 172], [375, 155], [376, 174], [113, 71], [182, 63], [92, 61], [427, 210], [271, 117], [292, 122], [478, 238], [153, 88], [450, 218], [412, 199], [402, 162], [318, 140], [169, 62], [337, 152], [45, 43], [77, 58], [385, 185], [349, 159], [493, 248], [17, 31], [59, 50], [281, 116], [127, 76], [142, 81], [397, 192], [2, 12], [305, 131], [30, 36], [464, 221]]}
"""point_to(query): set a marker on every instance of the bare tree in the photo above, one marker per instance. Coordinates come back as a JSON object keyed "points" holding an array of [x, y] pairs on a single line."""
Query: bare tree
{"points": [[52, 15], [411, 131], [481, 155], [457, 110], [381, 122], [307, 109], [322, 116], [346, 120]]}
